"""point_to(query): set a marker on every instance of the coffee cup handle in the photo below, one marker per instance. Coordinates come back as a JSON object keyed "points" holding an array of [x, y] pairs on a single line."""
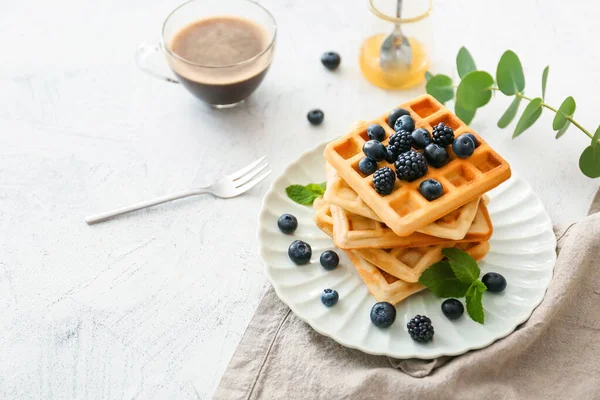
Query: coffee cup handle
{"points": [[145, 52]]}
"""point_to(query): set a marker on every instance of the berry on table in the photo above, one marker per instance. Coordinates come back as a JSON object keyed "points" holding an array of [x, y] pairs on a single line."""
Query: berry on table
{"points": [[436, 155], [400, 142], [395, 114], [329, 260], [404, 123], [300, 252], [374, 150], [420, 138], [452, 308], [331, 60], [494, 282], [463, 146], [420, 329], [443, 135], [287, 223], [376, 132], [367, 166], [431, 189], [383, 314], [411, 166], [315, 117], [384, 180], [329, 297]]}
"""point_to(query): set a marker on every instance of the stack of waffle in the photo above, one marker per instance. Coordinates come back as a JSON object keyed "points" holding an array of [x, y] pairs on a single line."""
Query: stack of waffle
{"points": [[392, 239]]}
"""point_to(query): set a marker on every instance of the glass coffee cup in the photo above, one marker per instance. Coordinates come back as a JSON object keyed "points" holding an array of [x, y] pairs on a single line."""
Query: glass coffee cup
{"points": [[220, 51]]}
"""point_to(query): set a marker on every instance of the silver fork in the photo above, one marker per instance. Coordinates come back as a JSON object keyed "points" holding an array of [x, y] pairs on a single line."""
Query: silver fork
{"points": [[226, 187]]}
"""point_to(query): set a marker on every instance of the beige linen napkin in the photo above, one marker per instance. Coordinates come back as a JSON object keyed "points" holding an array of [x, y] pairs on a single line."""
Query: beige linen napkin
{"points": [[554, 355]]}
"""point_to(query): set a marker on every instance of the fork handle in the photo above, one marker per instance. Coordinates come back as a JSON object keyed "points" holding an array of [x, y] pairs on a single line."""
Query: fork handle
{"points": [[92, 219]]}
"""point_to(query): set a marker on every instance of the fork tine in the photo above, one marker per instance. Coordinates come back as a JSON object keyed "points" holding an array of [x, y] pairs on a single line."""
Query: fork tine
{"points": [[252, 183], [246, 178], [244, 170]]}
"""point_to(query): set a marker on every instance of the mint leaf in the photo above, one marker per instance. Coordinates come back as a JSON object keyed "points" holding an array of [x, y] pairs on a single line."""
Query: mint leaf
{"points": [[305, 195], [440, 279], [463, 265], [474, 303], [316, 188], [324, 186]]}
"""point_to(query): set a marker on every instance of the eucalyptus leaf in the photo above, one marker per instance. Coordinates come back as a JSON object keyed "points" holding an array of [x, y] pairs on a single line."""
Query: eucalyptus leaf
{"points": [[530, 115], [589, 162], [509, 74], [596, 138], [440, 87], [544, 80], [474, 90], [465, 115], [510, 113], [464, 62], [428, 76], [562, 130], [566, 110]]}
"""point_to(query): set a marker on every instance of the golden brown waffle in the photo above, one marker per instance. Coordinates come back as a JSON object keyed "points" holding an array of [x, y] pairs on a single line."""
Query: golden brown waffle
{"points": [[452, 226], [405, 210], [351, 231]]}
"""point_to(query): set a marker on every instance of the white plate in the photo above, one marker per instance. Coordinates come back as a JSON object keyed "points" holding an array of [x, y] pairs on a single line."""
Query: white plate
{"points": [[522, 249]]}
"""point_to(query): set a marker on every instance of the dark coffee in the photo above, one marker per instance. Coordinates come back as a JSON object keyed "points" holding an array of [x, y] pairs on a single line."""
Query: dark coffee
{"points": [[225, 64]]}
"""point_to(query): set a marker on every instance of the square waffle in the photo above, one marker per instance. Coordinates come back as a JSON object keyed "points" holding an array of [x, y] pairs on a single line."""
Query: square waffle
{"points": [[405, 211]]}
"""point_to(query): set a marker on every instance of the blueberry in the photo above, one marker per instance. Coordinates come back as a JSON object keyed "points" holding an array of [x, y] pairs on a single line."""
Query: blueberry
{"points": [[329, 260], [331, 60], [436, 155], [473, 138], [375, 150], [383, 314], [287, 223], [452, 308], [376, 132], [329, 297], [300, 252], [315, 117], [420, 138], [494, 282], [404, 123], [463, 146], [431, 189], [367, 166], [395, 114]]}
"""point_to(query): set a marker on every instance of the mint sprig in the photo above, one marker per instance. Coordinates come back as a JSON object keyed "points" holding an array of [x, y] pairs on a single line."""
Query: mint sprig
{"points": [[306, 195], [457, 277]]}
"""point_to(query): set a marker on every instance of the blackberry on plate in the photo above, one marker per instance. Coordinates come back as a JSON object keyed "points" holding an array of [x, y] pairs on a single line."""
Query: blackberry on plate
{"points": [[420, 138], [329, 297], [395, 114], [431, 189], [400, 142], [384, 180], [436, 155], [420, 329], [452, 308], [331, 60], [376, 132], [375, 150], [411, 166], [494, 282], [404, 123], [367, 166], [300, 252], [443, 135], [329, 260], [391, 155], [287, 223], [315, 117], [383, 314]]}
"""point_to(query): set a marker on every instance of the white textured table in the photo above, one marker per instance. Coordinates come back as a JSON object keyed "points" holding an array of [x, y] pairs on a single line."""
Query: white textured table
{"points": [[152, 305]]}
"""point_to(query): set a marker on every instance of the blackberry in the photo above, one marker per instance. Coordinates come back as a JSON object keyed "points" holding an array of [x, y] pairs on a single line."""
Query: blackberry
{"points": [[384, 179], [400, 142], [443, 135], [411, 166], [420, 329]]}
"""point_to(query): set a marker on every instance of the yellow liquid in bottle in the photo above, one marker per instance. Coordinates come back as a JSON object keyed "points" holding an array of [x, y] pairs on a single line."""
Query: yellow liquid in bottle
{"points": [[369, 65]]}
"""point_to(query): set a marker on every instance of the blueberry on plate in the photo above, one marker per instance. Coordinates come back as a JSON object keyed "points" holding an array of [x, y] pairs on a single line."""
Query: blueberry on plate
{"points": [[420, 138], [315, 117], [329, 297], [474, 139], [375, 150], [494, 282], [431, 189], [383, 314], [300, 252], [367, 166], [329, 260], [287, 223], [463, 146], [395, 114], [376, 132], [420, 329], [404, 123], [331, 60], [436, 155], [452, 308]]}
